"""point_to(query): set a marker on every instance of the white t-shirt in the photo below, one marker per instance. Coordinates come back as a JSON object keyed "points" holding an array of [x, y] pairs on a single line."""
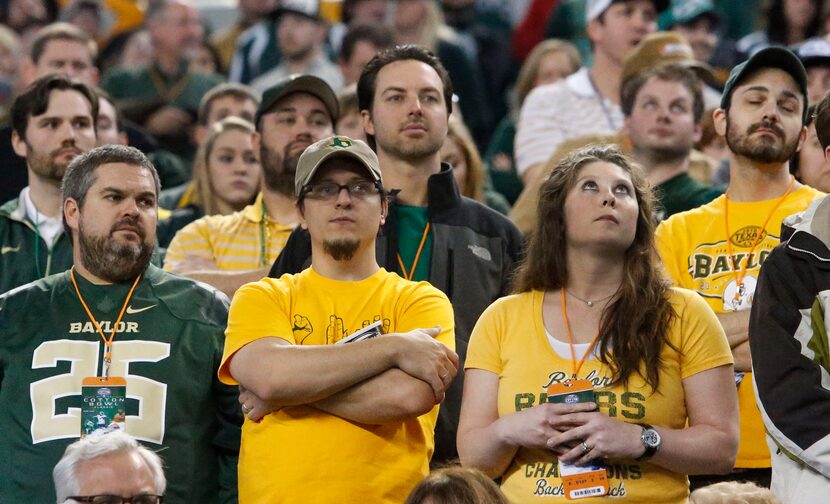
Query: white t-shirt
{"points": [[556, 112]]}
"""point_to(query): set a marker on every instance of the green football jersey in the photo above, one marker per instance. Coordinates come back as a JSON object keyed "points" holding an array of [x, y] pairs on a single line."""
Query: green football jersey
{"points": [[168, 347]]}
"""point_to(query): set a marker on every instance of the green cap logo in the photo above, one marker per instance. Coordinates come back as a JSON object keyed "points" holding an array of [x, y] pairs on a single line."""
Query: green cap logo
{"points": [[343, 143]]}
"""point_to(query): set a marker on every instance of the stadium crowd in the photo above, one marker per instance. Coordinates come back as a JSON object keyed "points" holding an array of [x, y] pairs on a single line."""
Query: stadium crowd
{"points": [[421, 251]]}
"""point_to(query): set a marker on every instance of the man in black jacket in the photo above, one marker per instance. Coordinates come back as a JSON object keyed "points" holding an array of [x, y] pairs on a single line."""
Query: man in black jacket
{"points": [[432, 233]]}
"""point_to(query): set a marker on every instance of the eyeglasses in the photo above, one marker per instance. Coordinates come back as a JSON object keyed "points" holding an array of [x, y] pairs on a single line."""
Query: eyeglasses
{"points": [[117, 499], [327, 191]]}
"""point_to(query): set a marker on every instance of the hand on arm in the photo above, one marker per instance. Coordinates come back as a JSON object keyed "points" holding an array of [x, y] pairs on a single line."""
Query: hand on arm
{"points": [[488, 442], [736, 327], [390, 397], [708, 445]]}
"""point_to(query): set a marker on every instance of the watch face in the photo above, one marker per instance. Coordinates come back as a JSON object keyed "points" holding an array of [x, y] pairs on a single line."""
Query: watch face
{"points": [[651, 437]]}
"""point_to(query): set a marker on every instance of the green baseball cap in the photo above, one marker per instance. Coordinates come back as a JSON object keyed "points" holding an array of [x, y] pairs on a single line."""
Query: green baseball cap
{"points": [[769, 57], [299, 83], [683, 11], [335, 147]]}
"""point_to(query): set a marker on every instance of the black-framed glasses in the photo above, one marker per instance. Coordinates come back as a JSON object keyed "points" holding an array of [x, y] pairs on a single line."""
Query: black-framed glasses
{"points": [[117, 499], [327, 191]]}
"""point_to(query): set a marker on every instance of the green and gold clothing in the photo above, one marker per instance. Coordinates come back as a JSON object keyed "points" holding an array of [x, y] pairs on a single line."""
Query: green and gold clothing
{"points": [[412, 222], [301, 454], [695, 253], [168, 347], [511, 341]]}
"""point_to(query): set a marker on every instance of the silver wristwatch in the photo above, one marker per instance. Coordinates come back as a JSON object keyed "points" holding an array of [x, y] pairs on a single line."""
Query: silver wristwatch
{"points": [[651, 440]]}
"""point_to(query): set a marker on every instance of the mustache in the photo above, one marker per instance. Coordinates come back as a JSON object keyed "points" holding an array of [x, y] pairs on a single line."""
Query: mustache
{"points": [[766, 123], [69, 145], [131, 224]]}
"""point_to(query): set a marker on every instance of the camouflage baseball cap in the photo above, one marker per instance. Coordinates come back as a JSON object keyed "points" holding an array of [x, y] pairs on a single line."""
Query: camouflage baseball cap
{"points": [[335, 147], [663, 48]]}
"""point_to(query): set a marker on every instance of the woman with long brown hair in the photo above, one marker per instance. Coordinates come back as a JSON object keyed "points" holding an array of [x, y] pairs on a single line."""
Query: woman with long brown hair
{"points": [[596, 365]]}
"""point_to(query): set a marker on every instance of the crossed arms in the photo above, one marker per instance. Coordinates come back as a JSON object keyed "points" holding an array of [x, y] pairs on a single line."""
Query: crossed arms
{"points": [[383, 380]]}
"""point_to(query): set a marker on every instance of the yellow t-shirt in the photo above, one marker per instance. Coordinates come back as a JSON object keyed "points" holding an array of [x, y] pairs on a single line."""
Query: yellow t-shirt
{"points": [[693, 248], [301, 454], [510, 340]]}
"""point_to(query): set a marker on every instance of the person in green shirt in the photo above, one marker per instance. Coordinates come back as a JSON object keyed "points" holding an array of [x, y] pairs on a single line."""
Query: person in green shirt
{"points": [[115, 314], [663, 107], [53, 121], [164, 96]]}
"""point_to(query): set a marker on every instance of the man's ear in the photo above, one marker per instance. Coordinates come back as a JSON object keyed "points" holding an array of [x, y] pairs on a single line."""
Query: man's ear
{"points": [[199, 133], [698, 133], [368, 125], [28, 71], [719, 121], [384, 211], [256, 142], [802, 137], [19, 145], [301, 216], [72, 213]]}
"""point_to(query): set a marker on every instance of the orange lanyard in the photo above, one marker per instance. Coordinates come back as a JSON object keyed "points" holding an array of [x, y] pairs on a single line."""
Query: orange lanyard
{"points": [[411, 273], [739, 275], [576, 365], [107, 342]]}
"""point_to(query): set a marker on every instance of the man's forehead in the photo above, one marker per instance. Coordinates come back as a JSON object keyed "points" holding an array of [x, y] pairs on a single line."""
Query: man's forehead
{"points": [[64, 99], [771, 79], [403, 73], [662, 88], [78, 49], [124, 176]]}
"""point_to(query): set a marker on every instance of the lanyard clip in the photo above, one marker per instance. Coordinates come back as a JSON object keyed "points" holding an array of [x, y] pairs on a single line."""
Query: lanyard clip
{"points": [[107, 362]]}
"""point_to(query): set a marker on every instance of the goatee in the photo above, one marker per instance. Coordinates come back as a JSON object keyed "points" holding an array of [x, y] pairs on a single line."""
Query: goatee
{"points": [[341, 250]]}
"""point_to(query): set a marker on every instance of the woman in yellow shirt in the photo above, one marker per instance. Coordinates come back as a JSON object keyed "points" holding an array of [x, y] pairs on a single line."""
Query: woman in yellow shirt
{"points": [[592, 311]]}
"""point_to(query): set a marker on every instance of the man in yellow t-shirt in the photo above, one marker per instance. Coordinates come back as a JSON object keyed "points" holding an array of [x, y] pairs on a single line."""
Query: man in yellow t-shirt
{"points": [[338, 421], [717, 249]]}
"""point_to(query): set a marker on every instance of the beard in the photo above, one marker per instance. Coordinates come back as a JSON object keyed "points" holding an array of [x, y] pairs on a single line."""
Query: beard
{"points": [[761, 150], [673, 154], [46, 165], [342, 249], [115, 262], [278, 170]]}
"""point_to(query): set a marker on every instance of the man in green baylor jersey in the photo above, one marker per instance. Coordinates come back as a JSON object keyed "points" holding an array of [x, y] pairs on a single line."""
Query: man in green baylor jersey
{"points": [[167, 345]]}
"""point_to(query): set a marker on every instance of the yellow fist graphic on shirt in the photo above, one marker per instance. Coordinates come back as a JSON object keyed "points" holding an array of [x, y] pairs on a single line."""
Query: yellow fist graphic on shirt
{"points": [[335, 331], [302, 328]]}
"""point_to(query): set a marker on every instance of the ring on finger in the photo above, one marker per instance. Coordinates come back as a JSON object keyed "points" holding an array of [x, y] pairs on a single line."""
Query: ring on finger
{"points": [[445, 376], [246, 409], [585, 447]]}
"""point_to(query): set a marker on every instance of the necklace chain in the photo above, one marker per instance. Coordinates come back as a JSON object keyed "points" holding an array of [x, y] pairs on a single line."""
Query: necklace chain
{"points": [[588, 301]]}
